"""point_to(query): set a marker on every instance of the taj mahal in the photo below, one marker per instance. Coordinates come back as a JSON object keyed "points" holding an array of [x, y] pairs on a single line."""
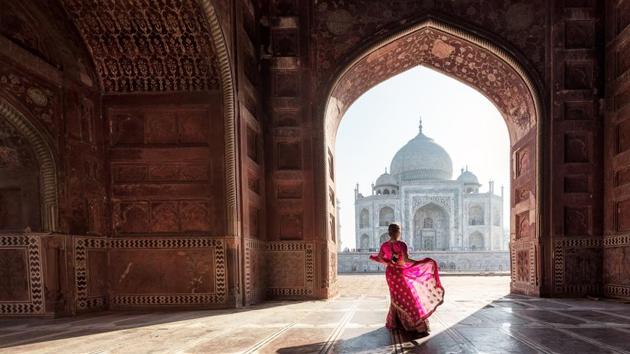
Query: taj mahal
{"points": [[445, 217]]}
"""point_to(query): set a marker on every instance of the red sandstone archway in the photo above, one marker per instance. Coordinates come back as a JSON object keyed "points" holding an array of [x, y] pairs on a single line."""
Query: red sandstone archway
{"points": [[490, 70]]}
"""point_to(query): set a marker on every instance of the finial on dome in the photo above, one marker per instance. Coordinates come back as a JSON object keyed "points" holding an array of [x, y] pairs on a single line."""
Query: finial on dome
{"points": [[420, 125]]}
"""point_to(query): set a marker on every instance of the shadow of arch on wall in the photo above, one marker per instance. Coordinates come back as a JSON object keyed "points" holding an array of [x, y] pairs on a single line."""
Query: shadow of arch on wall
{"points": [[495, 73], [42, 148]]}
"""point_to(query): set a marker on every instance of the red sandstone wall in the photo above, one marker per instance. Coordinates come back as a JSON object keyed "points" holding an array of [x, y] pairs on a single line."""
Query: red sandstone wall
{"points": [[48, 78], [166, 160], [616, 267], [575, 210], [251, 123], [562, 59]]}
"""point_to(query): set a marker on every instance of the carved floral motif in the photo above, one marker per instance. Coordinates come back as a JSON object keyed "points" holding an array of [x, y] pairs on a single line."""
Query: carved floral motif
{"points": [[147, 45]]}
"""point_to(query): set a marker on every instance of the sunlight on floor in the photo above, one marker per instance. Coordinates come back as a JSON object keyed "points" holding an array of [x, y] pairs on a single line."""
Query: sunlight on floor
{"points": [[478, 316]]}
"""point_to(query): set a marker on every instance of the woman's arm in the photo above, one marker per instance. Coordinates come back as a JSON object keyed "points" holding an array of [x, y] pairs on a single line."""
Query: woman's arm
{"points": [[379, 258]]}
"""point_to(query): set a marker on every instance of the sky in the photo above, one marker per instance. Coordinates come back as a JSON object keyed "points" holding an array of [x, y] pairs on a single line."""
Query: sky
{"points": [[386, 117]]}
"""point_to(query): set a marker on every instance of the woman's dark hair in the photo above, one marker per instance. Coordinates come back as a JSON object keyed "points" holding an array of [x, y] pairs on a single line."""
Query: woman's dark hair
{"points": [[393, 227]]}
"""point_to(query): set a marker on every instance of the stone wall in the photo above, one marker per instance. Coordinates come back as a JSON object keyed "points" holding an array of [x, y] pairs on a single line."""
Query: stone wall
{"points": [[616, 267], [120, 208]]}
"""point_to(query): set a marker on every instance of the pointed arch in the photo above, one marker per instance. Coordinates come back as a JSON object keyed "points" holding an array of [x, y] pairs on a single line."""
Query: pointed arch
{"points": [[44, 152], [226, 74], [492, 69]]}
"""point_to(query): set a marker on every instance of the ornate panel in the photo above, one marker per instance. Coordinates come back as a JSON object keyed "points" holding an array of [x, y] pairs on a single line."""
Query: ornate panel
{"points": [[459, 57], [578, 75], [40, 99], [289, 190], [26, 262], [622, 215], [579, 34], [84, 275], [291, 268], [341, 26], [167, 165], [577, 148], [291, 225], [255, 271], [289, 156], [579, 110], [575, 266], [523, 226], [147, 277], [148, 46], [524, 272], [577, 221], [577, 184]]}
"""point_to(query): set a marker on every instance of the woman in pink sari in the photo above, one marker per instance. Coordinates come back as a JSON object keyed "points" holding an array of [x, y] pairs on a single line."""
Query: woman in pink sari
{"points": [[414, 286]]}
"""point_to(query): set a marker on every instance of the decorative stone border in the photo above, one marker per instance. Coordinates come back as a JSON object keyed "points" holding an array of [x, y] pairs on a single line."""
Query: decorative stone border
{"points": [[33, 245], [530, 246], [219, 297], [559, 247], [81, 274], [83, 244], [252, 246], [614, 290], [309, 266], [611, 241]]}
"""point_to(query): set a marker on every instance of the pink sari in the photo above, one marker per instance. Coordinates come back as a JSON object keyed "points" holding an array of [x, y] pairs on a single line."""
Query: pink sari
{"points": [[415, 288]]}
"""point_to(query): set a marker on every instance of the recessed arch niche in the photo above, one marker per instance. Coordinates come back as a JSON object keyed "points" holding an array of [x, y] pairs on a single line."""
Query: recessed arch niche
{"points": [[494, 72], [40, 145]]}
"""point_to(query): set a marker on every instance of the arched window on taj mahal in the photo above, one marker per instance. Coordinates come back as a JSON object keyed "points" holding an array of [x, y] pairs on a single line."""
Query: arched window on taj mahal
{"points": [[385, 216], [476, 241], [428, 223], [475, 215], [365, 241], [431, 228], [364, 219]]}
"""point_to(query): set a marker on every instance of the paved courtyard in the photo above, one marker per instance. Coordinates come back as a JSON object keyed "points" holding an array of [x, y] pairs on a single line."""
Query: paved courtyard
{"points": [[478, 317]]}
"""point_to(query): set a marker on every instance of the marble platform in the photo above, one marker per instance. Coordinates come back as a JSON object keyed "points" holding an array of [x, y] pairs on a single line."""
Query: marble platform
{"points": [[478, 317]]}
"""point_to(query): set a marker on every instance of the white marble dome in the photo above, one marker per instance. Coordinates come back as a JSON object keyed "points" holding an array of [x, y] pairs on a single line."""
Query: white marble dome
{"points": [[386, 180], [468, 177], [422, 158]]}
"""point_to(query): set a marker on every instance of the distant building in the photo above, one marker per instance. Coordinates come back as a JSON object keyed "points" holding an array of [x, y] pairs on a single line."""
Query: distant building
{"points": [[436, 212]]}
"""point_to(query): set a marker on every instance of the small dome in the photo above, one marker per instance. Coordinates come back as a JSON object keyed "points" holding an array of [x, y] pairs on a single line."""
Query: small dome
{"points": [[467, 177], [422, 158], [386, 180]]}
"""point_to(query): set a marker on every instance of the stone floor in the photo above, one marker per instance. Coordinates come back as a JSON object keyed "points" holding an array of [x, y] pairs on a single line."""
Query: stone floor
{"points": [[477, 317]]}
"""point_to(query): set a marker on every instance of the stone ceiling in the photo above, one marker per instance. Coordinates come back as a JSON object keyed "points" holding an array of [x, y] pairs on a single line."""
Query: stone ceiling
{"points": [[147, 45]]}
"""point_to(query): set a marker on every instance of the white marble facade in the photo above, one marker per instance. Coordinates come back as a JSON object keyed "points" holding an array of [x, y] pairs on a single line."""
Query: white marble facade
{"points": [[437, 213]]}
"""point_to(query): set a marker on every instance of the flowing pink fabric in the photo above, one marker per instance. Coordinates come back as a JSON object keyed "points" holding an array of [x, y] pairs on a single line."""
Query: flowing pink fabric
{"points": [[414, 288]]}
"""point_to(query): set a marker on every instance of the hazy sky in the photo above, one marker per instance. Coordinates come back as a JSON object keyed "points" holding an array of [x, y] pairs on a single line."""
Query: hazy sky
{"points": [[385, 118]]}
